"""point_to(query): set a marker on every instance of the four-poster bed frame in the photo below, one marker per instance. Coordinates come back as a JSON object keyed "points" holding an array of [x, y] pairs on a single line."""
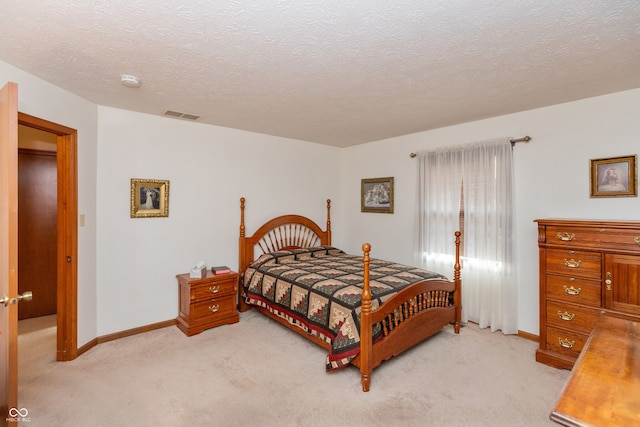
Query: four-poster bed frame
{"points": [[407, 318]]}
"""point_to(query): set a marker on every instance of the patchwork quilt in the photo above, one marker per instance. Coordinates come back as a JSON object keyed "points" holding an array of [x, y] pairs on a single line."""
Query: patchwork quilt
{"points": [[320, 289]]}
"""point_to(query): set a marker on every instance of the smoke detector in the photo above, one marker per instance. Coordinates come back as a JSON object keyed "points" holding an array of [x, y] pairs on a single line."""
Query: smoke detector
{"points": [[130, 80]]}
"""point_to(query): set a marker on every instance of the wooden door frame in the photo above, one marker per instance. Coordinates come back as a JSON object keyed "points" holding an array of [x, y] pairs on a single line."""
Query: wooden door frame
{"points": [[67, 232]]}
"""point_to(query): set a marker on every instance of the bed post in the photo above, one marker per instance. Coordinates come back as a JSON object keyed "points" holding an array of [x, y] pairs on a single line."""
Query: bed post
{"points": [[457, 296], [242, 256], [328, 222], [366, 344]]}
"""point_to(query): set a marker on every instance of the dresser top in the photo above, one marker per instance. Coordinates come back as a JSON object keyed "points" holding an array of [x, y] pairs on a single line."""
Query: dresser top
{"points": [[589, 223]]}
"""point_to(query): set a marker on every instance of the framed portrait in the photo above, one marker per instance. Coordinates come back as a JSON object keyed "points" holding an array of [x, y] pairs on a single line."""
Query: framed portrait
{"points": [[614, 177], [149, 198], [376, 195]]}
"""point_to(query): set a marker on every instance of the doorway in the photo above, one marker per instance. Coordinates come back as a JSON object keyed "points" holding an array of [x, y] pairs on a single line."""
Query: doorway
{"points": [[37, 221], [37, 246], [65, 141]]}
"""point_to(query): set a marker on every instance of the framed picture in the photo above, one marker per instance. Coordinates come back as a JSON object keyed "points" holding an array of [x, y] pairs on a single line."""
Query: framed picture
{"points": [[149, 198], [376, 195], [614, 177]]}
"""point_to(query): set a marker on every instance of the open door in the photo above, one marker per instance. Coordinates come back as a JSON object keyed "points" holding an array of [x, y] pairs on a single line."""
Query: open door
{"points": [[67, 247], [8, 252]]}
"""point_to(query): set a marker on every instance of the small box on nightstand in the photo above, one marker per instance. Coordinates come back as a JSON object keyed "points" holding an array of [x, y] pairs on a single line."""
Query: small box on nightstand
{"points": [[198, 272]]}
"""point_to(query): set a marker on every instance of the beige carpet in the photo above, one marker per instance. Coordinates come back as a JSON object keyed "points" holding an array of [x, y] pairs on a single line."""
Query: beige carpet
{"points": [[257, 373]]}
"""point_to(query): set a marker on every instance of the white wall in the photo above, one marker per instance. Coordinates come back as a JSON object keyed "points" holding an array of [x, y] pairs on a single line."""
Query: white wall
{"points": [[127, 267], [209, 169], [551, 172], [43, 100]]}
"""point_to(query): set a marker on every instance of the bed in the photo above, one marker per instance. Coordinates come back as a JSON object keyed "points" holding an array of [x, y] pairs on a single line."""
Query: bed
{"points": [[361, 309]]}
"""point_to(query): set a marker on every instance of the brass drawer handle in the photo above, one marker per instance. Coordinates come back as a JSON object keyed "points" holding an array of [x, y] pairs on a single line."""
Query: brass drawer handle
{"points": [[214, 289], [572, 263], [637, 240], [566, 237], [571, 290], [566, 316], [566, 343], [214, 308]]}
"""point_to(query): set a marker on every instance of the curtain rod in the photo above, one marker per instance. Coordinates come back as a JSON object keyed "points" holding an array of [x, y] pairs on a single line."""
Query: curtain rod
{"points": [[513, 141]]}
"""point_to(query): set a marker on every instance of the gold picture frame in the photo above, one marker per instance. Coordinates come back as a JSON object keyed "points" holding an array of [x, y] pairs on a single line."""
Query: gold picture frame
{"points": [[376, 195], [149, 198], [614, 177]]}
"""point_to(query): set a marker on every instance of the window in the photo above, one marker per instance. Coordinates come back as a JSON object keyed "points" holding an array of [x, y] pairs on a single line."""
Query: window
{"points": [[470, 188]]}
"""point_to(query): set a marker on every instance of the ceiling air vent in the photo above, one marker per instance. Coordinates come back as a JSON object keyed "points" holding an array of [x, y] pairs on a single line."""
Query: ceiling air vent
{"points": [[180, 115]]}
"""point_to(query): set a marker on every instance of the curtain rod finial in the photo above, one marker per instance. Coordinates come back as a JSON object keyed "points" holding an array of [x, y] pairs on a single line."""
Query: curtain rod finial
{"points": [[523, 139]]}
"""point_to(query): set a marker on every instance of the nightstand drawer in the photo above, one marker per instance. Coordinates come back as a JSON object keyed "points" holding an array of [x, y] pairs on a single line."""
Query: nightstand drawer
{"points": [[214, 309], [215, 289], [571, 316], [574, 263], [574, 290]]}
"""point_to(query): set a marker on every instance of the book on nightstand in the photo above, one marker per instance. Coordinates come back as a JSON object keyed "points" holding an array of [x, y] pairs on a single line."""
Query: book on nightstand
{"points": [[222, 269]]}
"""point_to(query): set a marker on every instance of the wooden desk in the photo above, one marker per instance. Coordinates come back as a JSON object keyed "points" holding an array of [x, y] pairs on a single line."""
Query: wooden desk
{"points": [[604, 386]]}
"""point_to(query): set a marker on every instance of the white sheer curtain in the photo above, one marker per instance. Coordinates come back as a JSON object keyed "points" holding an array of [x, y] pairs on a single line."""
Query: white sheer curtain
{"points": [[438, 209], [472, 183]]}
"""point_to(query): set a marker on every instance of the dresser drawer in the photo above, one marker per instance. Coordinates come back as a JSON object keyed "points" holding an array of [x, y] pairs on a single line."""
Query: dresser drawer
{"points": [[574, 263], [565, 341], [220, 287], [214, 309], [574, 290], [571, 316], [594, 237]]}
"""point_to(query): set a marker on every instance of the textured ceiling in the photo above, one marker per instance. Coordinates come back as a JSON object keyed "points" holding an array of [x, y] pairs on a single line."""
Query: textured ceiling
{"points": [[335, 72]]}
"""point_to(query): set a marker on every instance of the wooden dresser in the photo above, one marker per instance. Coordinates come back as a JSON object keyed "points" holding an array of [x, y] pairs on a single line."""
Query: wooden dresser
{"points": [[587, 268], [207, 302]]}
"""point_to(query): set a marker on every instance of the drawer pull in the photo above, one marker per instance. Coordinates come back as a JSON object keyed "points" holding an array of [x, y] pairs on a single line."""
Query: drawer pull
{"points": [[566, 343], [214, 289], [572, 263], [637, 240], [214, 308], [566, 316], [571, 290], [566, 237]]}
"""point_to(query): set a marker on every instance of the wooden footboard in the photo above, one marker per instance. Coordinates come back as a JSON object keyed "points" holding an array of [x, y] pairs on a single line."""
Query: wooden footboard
{"points": [[411, 316]]}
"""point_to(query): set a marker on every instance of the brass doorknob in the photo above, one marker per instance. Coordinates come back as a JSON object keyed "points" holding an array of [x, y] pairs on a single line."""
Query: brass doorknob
{"points": [[26, 296]]}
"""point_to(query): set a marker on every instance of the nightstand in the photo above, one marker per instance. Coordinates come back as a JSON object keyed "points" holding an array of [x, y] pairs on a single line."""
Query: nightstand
{"points": [[206, 303]]}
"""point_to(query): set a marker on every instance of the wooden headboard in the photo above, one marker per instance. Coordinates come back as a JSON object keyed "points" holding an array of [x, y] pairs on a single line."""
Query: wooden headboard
{"points": [[283, 232]]}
